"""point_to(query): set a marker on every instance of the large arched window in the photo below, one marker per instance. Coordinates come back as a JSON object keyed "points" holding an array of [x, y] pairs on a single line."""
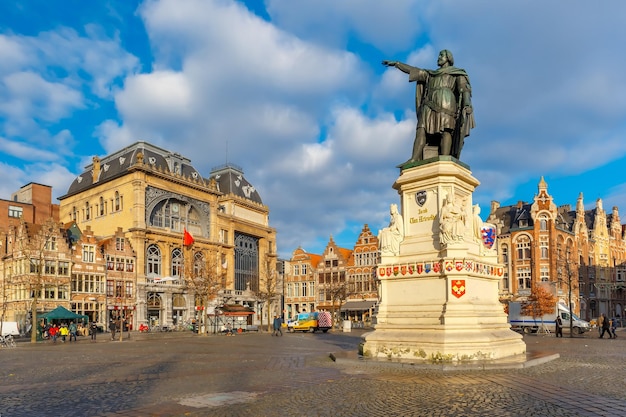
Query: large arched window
{"points": [[178, 301], [246, 262], [153, 260], [198, 264], [176, 215], [154, 300], [177, 262]]}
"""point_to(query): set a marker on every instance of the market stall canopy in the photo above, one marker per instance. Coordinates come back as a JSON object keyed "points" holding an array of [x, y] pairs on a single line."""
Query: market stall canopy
{"points": [[62, 313], [236, 310], [358, 305]]}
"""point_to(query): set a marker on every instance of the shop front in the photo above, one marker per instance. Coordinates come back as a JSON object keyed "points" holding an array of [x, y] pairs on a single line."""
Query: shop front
{"points": [[358, 312]]}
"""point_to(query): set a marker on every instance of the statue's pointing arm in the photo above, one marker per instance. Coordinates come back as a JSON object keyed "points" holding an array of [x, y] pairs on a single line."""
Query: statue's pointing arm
{"points": [[401, 66]]}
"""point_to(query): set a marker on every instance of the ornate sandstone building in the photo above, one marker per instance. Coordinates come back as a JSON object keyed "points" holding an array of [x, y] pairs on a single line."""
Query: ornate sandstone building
{"points": [[578, 254], [140, 202]]}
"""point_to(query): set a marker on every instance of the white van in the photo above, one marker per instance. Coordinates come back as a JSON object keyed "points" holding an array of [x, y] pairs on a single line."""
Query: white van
{"points": [[528, 324], [10, 328]]}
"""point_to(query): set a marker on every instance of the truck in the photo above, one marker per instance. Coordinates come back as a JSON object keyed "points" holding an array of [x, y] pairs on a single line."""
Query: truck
{"points": [[529, 324], [10, 328], [311, 322]]}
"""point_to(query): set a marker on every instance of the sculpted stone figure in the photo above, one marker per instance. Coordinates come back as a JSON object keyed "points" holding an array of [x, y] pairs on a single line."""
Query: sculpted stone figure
{"points": [[478, 223], [389, 238], [451, 222], [443, 102]]}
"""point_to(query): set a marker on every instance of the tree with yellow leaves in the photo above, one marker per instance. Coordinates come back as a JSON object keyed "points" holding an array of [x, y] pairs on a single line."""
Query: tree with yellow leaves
{"points": [[539, 303]]}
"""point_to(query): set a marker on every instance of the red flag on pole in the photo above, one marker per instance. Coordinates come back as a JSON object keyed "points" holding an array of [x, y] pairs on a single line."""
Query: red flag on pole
{"points": [[187, 238]]}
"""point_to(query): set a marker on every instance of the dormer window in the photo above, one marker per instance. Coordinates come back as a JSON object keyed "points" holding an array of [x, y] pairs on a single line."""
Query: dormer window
{"points": [[523, 223]]}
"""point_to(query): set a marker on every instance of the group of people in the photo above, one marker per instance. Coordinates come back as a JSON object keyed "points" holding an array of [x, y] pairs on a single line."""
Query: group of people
{"points": [[54, 331], [606, 325], [227, 329], [278, 324]]}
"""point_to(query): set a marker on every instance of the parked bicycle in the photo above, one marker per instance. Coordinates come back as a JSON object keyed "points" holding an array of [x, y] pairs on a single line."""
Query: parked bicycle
{"points": [[7, 341]]}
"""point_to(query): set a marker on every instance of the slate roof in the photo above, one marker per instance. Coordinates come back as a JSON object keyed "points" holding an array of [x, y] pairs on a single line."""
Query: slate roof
{"points": [[229, 177], [230, 180]]}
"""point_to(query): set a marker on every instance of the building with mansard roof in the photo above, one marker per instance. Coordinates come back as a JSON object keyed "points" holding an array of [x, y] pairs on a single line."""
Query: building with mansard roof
{"points": [[579, 255], [154, 195]]}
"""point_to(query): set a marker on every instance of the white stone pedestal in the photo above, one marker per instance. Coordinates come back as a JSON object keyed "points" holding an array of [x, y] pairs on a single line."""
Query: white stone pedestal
{"points": [[439, 300]]}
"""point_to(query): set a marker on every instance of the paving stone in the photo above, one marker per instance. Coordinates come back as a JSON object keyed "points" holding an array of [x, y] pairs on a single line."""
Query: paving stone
{"points": [[183, 374]]}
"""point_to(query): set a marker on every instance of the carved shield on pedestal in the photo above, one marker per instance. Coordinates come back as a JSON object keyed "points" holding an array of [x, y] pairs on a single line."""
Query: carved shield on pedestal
{"points": [[420, 198], [488, 235], [458, 288]]}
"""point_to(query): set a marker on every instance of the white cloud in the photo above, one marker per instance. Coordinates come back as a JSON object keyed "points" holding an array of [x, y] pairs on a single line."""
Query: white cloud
{"points": [[159, 97], [332, 22], [25, 151], [28, 96], [301, 101]]}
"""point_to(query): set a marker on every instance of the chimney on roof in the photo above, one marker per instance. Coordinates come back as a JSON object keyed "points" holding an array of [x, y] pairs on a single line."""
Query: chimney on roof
{"points": [[520, 204], [96, 169]]}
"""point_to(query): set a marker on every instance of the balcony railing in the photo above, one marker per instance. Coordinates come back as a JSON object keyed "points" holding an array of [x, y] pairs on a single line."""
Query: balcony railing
{"points": [[164, 281]]}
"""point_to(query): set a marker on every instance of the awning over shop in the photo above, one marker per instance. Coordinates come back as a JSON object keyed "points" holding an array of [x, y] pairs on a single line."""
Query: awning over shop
{"points": [[62, 313], [358, 305]]}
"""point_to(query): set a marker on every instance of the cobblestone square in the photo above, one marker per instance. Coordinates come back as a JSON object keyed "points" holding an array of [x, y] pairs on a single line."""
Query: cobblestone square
{"points": [[183, 374]]}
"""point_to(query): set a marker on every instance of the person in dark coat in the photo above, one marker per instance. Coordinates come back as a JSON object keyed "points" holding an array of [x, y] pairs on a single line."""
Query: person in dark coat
{"points": [[93, 330], [113, 328], [606, 327], [278, 322], [559, 326]]}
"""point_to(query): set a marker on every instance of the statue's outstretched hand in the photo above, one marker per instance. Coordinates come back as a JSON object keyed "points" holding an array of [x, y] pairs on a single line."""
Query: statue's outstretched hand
{"points": [[389, 63]]}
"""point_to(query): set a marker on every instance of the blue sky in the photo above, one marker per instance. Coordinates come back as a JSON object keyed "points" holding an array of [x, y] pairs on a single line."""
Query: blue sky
{"points": [[293, 91]]}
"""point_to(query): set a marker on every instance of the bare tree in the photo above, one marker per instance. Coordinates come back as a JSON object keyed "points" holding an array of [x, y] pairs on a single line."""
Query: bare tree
{"points": [[539, 303], [204, 278], [339, 290], [268, 287], [567, 269], [32, 259]]}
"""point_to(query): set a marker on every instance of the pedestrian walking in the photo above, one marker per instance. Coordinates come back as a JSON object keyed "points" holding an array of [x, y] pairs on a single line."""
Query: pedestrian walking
{"points": [[113, 328], [614, 327], [93, 329], [559, 326], [278, 322], [53, 332], [64, 332], [600, 320], [73, 331], [606, 327]]}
